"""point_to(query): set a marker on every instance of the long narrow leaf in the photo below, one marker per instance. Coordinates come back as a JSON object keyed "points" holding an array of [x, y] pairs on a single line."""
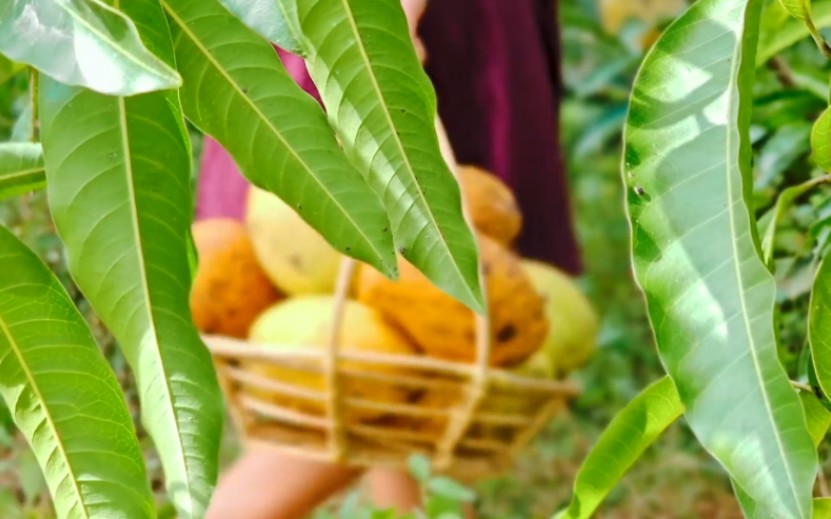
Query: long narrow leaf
{"points": [[21, 168], [819, 325], [82, 42], [237, 90], [697, 258], [634, 429], [118, 172], [64, 397], [383, 106]]}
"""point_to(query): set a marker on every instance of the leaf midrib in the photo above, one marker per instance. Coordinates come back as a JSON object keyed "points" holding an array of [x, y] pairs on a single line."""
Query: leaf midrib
{"points": [[236, 88], [47, 415], [421, 200], [134, 221], [21, 173], [112, 45], [736, 64]]}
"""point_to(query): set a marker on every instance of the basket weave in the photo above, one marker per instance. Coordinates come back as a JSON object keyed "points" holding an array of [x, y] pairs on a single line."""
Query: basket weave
{"points": [[486, 414]]}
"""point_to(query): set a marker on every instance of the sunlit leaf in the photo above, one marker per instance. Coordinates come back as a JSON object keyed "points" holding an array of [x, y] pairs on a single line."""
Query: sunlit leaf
{"points": [[21, 168], [697, 258], [799, 9], [82, 42], [381, 102], [822, 508], [274, 20], [817, 416], [64, 397], [821, 140], [629, 434], [237, 90], [118, 181]]}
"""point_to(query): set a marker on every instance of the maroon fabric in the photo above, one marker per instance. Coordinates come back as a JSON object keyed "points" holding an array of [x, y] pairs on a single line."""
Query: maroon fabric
{"points": [[495, 66]]}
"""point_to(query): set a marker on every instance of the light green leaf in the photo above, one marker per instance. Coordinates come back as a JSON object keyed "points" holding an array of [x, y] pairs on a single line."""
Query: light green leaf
{"points": [[84, 43], [771, 219], [799, 9], [274, 20], [634, 429], [817, 416], [381, 102], [819, 325], [779, 31], [697, 258], [821, 140], [63, 395], [118, 181], [237, 90], [822, 508], [21, 168]]}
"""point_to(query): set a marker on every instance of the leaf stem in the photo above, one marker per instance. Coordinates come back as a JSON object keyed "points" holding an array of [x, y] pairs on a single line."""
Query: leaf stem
{"points": [[820, 41], [802, 386]]}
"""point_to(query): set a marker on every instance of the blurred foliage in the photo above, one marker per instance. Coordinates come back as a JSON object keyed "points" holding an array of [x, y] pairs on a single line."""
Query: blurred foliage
{"points": [[675, 479]]}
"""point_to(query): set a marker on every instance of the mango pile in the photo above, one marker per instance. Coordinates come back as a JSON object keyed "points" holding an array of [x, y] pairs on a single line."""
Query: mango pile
{"points": [[271, 279]]}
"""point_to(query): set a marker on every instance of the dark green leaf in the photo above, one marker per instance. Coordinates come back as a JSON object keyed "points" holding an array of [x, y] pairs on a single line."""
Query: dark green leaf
{"points": [[696, 253], [821, 140], [634, 429], [276, 133], [787, 144], [63, 395], [82, 42], [8, 68], [383, 106], [118, 180], [21, 168], [274, 20]]}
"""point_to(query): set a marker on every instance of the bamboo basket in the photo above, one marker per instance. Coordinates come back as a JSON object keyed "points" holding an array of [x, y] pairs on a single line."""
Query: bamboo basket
{"points": [[479, 418]]}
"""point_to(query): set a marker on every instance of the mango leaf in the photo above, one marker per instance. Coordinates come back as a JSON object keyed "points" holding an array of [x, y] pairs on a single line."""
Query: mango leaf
{"points": [[634, 429], [118, 182], [82, 42], [21, 168], [818, 418], [822, 508], [819, 325], [696, 253], [383, 106], [8, 68], [821, 140], [276, 133], [799, 9], [63, 395], [274, 20], [779, 31]]}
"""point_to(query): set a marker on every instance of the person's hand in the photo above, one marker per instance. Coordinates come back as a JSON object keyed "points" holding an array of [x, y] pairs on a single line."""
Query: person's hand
{"points": [[414, 9]]}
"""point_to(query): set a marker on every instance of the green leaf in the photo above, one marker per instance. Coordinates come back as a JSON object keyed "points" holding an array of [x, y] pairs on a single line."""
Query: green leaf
{"points": [[64, 397], [237, 90], [419, 467], [274, 20], [446, 487], [799, 9], [381, 102], [8, 68], [817, 416], [821, 140], [632, 430], [118, 181], [84, 43], [779, 31], [771, 220], [822, 508], [697, 258], [819, 325], [21, 168]]}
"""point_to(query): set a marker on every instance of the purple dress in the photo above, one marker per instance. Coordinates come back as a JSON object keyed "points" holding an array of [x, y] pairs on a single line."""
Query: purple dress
{"points": [[495, 67]]}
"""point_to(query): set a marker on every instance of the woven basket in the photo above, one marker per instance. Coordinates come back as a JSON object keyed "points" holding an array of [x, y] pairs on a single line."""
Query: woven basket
{"points": [[484, 416]]}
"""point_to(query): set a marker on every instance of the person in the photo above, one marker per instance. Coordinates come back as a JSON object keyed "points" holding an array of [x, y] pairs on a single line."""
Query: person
{"points": [[495, 68]]}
